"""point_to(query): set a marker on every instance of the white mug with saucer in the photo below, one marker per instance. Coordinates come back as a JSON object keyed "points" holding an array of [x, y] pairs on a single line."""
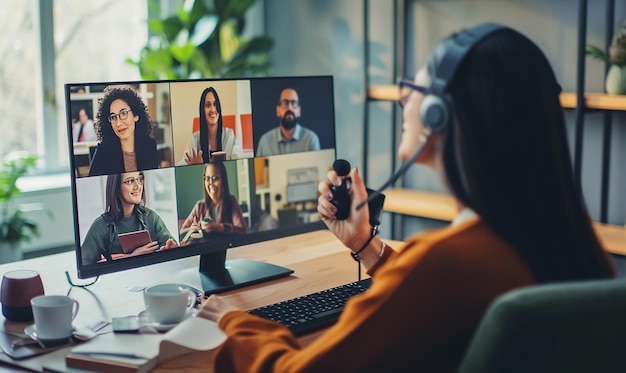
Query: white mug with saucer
{"points": [[168, 303], [53, 316]]}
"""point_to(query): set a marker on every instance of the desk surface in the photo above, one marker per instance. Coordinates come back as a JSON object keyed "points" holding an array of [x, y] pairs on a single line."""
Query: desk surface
{"points": [[318, 259]]}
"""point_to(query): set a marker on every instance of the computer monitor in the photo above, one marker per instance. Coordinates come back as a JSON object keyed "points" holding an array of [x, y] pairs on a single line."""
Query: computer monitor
{"points": [[152, 127]]}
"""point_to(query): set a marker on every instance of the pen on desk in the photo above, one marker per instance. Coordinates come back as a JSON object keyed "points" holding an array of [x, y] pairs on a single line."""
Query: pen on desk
{"points": [[109, 353]]}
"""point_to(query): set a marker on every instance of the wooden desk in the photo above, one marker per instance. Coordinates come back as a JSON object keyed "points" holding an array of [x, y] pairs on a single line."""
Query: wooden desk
{"points": [[441, 206], [319, 260]]}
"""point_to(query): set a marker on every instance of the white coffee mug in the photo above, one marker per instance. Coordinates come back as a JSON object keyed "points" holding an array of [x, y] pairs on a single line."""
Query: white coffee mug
{"points": [[168, 303], [53, 316]]}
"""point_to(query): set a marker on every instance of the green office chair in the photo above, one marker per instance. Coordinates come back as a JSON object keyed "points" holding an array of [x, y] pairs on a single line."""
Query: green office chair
{"points": [[566, 327]]}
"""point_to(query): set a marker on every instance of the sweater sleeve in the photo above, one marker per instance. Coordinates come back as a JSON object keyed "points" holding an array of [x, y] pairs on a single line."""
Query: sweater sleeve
{"points": [[162, 234], [418, 315], [195, 213], [97, 239]]}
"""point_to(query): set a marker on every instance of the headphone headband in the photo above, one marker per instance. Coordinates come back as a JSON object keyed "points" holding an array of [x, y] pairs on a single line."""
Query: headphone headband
{"points": [[442, 67]]}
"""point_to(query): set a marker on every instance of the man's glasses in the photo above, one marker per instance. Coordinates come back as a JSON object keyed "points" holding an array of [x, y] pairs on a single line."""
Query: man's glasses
{"points": [[406, 87], [212, 179], [122, 115], [131, 180], [285, 103]]}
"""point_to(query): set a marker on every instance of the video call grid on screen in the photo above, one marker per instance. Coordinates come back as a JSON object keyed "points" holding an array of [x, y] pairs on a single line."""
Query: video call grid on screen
{"points": [[260, 185]]}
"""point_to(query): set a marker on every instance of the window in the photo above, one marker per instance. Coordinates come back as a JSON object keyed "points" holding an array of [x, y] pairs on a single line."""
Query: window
{"points": [[45, 44], [17, 75]]}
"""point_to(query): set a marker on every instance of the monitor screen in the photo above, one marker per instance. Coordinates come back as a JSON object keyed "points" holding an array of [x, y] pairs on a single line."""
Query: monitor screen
{"points": [[202, 165]]}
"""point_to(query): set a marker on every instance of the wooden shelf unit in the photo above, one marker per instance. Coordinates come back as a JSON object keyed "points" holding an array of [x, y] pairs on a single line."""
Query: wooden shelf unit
{"points": [[412, 202], [383, 92], [441, 206], [601, 101]]}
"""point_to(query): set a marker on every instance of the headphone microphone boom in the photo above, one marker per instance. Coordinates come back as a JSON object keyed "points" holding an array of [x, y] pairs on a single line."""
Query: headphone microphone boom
{"points": [[403, 168]]}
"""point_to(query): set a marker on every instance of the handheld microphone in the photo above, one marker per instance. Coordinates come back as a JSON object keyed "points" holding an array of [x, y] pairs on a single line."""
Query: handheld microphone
{"points": [[403, 168], [341, 197]]}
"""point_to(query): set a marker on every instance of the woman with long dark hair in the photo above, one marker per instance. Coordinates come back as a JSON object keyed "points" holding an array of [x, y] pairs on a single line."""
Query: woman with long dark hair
{"points": [[522, 221], [124, 132], [218, 209], [212, 135], [125, 211]]}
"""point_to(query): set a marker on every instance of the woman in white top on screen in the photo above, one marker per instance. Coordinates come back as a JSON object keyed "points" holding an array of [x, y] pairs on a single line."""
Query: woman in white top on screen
{"points": [[212, 136]]}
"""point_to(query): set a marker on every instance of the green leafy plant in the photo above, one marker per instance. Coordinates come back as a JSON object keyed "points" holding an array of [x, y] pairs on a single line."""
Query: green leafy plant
{"points": [[14, 227], [616, 54], [203, 39]]}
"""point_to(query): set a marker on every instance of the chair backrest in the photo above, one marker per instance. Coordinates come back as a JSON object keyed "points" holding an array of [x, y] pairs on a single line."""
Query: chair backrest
{"points": [[566, 327]]}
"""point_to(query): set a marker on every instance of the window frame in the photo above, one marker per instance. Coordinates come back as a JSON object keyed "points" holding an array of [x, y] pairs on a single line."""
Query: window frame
{"points": [[48, 125]]}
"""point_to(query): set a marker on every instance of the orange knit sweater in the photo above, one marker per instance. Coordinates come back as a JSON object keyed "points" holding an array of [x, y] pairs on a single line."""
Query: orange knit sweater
{"points": [[419, 314]]}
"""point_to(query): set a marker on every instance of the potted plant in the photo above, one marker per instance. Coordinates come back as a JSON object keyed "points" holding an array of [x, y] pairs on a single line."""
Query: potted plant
{"points": [[14, 226], [615, 83], [203, 39]]}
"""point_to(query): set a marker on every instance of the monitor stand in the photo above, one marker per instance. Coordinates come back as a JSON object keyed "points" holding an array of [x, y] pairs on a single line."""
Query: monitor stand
{"points": [[218, 274]]}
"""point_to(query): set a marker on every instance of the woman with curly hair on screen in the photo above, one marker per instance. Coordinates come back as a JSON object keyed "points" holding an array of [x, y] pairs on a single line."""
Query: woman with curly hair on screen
{"points": [[124, 133]]}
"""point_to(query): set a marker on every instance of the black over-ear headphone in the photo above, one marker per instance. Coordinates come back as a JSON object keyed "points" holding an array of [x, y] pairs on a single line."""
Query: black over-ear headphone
{"points": [[442, 65]]}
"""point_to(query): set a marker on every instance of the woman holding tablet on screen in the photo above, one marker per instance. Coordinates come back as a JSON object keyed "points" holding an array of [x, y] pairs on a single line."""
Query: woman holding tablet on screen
{"points": [[490, 124], [125, 212]]}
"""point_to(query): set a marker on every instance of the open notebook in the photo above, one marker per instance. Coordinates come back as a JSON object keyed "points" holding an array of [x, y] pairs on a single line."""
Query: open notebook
{"points": [[142, 352]]}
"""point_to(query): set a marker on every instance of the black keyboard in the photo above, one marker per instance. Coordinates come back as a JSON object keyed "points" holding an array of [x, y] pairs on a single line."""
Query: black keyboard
{"points": [[314, 311]]}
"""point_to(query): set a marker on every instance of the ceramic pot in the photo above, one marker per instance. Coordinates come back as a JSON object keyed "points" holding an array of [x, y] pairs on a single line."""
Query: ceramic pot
{"points": [[616, 80], [18, 288]]}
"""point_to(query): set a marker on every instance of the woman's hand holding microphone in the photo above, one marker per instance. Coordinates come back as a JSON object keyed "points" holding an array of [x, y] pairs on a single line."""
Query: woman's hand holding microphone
{"points": [[354, 230]]}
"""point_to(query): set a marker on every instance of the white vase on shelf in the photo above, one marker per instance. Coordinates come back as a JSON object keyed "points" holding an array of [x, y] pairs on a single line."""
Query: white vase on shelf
{"points": [[616, 80]]}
